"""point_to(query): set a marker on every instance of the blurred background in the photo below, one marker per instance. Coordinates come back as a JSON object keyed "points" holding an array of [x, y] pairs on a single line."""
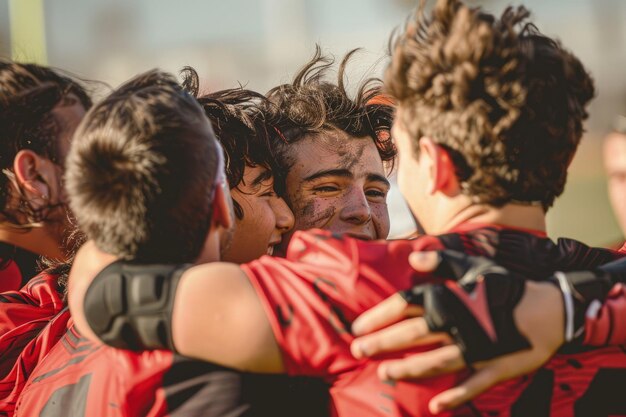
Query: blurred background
{"points": [[261, 43]]}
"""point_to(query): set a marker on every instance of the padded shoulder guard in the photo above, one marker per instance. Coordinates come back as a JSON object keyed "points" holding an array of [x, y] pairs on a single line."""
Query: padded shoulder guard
{"points": [[129, 306]]}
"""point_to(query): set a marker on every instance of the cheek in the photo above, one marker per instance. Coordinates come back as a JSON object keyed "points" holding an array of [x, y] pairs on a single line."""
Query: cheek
{"points": [[260, 222], [380, 217], [254, 230], [314, 213]]}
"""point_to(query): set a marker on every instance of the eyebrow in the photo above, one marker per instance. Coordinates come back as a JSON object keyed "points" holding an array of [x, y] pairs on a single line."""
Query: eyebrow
{"points": [[329, 173], [262, 177], [344, 173], [378, 178]]}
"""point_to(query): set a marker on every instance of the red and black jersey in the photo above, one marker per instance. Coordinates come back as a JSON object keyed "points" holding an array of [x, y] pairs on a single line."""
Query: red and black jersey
{"points": [[313, 295], [42, 376], [24, 315], [10, 276], [91, 379]]}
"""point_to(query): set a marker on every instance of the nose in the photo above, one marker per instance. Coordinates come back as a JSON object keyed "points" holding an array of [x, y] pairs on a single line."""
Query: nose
{"points": [[284, 215], [356, 209]]}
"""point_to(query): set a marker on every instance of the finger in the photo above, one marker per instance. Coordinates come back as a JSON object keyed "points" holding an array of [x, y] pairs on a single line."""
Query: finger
{"points": [[387, 312], [424, 261], [491, 373], [439, 361], [407, 333]]}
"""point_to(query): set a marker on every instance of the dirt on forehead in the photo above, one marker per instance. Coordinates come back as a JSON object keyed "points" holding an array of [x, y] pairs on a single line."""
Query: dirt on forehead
{"points": [[348, 148]]}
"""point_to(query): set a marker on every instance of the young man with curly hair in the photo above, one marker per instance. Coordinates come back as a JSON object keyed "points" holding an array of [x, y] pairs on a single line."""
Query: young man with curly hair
{"points": [[334, 151], [490, 114]]}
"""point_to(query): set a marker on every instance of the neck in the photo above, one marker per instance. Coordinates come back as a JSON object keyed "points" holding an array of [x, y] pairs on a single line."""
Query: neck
{"points": [[512, 215], [37, 240]]}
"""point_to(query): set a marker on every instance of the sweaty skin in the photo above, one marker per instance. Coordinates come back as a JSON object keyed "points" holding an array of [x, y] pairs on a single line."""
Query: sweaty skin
{"points": [[338, 183]]}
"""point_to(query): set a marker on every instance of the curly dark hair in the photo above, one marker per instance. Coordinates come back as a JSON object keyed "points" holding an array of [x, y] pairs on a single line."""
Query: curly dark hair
{"points": [[239, 126], [28, 93], [311, 104], [506, 102]]}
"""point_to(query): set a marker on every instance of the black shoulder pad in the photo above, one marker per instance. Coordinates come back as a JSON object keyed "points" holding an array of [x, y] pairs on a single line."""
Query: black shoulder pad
{"points": [[129, 306]]}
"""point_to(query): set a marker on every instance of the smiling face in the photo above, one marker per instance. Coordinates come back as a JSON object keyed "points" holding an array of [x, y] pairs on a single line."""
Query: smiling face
{"points": [[266, 217], [337, 183]]}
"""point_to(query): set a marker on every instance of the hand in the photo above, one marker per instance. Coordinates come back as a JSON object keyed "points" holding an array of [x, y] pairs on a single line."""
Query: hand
{"points": [[440, 313]]}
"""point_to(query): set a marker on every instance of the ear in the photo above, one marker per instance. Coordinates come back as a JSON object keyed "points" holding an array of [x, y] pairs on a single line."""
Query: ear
{"points": [[441, 168], [32, 174], [223, 214]]}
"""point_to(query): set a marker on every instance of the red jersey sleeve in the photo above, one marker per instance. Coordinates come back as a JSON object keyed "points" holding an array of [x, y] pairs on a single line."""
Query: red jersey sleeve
{"points": [[325, 282], [10, 277], [38, 298]]}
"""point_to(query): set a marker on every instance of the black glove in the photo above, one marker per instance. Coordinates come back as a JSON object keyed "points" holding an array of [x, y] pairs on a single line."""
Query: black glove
{"points": [[475, 306], [583, 290]]}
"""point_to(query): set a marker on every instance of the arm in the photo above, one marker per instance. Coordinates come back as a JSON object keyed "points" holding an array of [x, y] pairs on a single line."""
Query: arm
{"points": [[515, 347], [218, 317], [485, 312], [215, 314]]}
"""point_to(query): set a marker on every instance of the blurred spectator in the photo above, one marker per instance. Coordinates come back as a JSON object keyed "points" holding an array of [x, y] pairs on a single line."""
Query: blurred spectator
{"points": [[615, 164]]}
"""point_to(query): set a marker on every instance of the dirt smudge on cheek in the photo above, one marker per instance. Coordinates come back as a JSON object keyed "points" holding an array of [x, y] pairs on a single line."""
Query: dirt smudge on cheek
{"points": [[306, 211], [311, 217]]}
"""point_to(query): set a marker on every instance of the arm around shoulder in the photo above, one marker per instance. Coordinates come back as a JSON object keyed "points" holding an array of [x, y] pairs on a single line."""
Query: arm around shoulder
{"points": [[218, 317]]}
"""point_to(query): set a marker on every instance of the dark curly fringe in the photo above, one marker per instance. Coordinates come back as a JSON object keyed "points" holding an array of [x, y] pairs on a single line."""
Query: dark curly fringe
{"points": [[311, 104], [507, 102], [238, 122]]}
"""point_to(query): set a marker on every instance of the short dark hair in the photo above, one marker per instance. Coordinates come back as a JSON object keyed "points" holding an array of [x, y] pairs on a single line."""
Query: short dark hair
{"points": [[505, 101], [28, 93], [141, 171], [311, 104], [238, 123]]}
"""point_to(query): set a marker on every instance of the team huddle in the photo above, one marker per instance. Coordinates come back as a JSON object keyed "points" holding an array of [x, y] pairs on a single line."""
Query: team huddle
{"points": [[169, 252]]}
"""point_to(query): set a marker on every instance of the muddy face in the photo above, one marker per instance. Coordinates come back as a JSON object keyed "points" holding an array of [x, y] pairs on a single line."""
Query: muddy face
{"points": [[338, 183]]}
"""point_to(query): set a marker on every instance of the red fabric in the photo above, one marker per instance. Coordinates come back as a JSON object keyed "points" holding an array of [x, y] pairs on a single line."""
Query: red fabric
{"points": [[608, 325], [10, 277], [313, 295], [36, 302], [119, 383], [91, 379], [23, 316]]}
